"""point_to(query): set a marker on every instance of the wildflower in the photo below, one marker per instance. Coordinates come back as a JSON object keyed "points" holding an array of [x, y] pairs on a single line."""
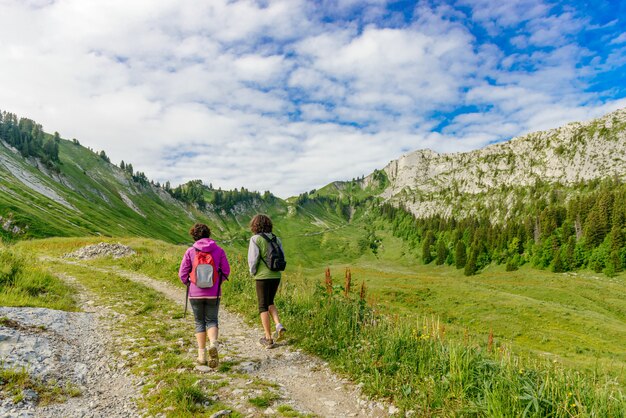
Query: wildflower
{"points": [[362, 292], [328, 282], [417, 334]]}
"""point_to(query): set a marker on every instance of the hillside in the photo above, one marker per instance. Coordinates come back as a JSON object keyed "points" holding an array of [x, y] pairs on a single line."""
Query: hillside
{"points": [[428, 183], [555, 199], [84, 194]]}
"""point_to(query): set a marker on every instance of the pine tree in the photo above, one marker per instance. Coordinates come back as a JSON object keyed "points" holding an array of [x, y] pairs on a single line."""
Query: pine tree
{"points": [[103, 155], [512, 263], [460, 255], [442, 252], [605, 210], [471, 267], [569, 254], [548, 221], [51, 150], [616, 238], [429, 241], [558, 265], [594, 229]]}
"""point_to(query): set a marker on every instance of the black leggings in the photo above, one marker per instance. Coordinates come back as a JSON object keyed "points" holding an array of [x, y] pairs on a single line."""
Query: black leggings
{"points": [[265, 292]]}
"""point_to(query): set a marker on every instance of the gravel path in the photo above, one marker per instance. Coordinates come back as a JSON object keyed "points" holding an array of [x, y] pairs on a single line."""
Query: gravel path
{"points": [[67, 347]]}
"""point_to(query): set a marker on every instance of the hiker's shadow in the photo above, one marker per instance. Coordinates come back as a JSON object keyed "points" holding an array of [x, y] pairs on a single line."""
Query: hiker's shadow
{"points": [[283, 343]]}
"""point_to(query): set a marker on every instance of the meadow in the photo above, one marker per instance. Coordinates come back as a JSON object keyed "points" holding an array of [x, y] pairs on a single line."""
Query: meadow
{"points": [[576, 318], [420, 335]]}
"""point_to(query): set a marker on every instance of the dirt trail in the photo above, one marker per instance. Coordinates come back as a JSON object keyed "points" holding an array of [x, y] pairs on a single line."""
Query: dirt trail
{"points": [[306, 383], [303, 379]]}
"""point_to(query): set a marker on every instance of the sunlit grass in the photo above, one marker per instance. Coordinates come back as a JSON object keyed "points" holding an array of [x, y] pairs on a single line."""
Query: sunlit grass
{"points": [[23, 282], [13, 383], [433, 353]]}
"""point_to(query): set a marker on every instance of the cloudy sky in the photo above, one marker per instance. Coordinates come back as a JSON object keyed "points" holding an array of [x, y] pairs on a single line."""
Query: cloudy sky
{"points": [[289, 95]]}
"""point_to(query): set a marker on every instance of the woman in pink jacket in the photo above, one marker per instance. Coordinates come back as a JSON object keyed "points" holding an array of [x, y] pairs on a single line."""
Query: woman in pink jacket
{"points": [[204, 267]]}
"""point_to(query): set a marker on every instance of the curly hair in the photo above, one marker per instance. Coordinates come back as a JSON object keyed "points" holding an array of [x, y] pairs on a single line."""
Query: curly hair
{"points": [[261, 224], [199, 231]]}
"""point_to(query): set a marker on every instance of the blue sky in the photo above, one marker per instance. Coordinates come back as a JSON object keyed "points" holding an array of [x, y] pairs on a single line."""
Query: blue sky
{"points": [[289, 95]]}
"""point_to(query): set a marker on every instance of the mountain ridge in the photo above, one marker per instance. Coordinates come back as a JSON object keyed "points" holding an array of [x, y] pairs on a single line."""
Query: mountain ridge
{"points": [[423, 180]]}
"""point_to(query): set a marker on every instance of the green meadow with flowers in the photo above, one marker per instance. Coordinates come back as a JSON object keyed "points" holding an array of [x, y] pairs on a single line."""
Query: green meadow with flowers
{"points": [[434, 341]]}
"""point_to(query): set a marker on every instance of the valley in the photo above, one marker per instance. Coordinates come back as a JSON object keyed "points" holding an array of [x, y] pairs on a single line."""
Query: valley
{"points": [[488, 290]]}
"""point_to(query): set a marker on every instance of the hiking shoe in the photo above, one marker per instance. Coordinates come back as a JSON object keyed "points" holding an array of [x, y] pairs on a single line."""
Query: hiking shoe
{"points": [[266, 343], [279, 334], [213, 357]]}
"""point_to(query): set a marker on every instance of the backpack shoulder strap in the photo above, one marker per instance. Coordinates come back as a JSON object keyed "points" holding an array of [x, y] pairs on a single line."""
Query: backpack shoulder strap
{"points": [[264, 235], [261, 256]]}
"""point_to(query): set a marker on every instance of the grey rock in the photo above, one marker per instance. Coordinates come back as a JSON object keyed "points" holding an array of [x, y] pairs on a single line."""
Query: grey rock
{"points": [[68, 349], [553, 156], [30, 395], [248, 367], [101, 250]]}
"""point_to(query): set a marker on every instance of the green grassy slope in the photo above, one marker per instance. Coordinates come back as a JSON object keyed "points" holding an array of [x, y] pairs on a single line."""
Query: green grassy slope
{"points": [[89, 196], [576, 318]]}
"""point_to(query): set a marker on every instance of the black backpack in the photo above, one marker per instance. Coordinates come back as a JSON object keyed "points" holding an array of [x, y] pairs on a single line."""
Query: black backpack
{"points": [[275, 256]]}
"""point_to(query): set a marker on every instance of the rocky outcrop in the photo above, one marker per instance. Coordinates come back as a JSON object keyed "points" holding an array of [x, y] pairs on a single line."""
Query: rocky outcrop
{"points": [[8, 224], [427, 182], [101, 250], [130, 203]]}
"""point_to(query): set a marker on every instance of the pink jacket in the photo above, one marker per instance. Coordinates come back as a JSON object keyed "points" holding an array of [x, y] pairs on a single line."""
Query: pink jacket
{"points": [[206, 245]]}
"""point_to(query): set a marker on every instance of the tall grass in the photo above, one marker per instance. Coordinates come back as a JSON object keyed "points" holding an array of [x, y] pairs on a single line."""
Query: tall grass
{"points": [[24, 283], [415, 365]]}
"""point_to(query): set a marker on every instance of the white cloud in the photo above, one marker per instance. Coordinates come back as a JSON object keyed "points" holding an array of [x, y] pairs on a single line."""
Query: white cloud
{"points": [[259, 69], [405, 71], [222, 90], [620, 39], [315, 111], [498, 15]]}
